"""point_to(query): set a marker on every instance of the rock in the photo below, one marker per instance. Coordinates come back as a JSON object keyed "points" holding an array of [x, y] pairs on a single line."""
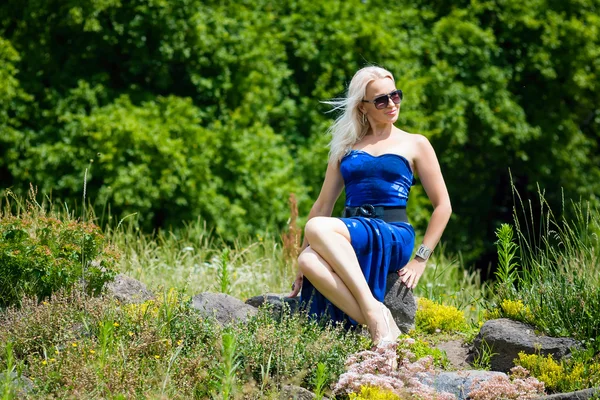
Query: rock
{"points": [[21, 385], [276, 301], [223, 307], [128, 290], [458, 383], [579, 395], [506, 338], [291, 392], [401, 302]]}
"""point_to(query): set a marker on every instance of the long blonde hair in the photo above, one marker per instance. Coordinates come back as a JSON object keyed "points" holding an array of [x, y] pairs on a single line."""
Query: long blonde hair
{"points": [[349, 128]]}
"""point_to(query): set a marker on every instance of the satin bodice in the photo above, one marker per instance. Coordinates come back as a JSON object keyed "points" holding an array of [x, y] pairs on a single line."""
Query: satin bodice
{"points": [[383, 180]]}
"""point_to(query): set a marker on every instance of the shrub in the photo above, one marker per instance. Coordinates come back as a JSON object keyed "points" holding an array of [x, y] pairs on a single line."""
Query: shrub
{"points": [[373, 393], [432, 317], [516, 386], [40, 254], [419, 349], [561, 376]]}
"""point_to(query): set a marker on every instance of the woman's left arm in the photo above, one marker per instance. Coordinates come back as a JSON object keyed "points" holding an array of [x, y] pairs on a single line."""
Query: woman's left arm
{"points": [[428, 168]]}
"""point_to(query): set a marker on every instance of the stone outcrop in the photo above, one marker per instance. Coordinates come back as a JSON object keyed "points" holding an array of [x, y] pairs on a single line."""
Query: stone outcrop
{"points": [[506, 338], [291, 392], [222, 307], [21, 385], [128, 290], [278, 303], [459, 383], [401, 302]]}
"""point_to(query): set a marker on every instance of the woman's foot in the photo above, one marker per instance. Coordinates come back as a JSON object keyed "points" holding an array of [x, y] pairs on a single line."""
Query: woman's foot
{"points": [[390, 332]]}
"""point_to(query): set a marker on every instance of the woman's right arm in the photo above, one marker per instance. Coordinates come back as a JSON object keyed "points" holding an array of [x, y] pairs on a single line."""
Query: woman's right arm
{"points": [[323, 207]]}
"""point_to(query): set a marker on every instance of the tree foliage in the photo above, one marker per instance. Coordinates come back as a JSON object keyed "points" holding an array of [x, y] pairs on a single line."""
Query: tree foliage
{"points": [[212, 108]]}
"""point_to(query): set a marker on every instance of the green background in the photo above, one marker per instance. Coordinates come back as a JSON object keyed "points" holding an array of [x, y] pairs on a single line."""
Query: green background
{"points": [[184, 109]]}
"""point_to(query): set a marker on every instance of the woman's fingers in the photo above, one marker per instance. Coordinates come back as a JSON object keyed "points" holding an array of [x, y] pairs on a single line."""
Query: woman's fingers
{"points": [[296, 286]]}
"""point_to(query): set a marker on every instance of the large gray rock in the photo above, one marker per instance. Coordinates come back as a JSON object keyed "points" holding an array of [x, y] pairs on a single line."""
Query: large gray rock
{"points": [[291, 392], [458, 383], [20, 385], [401, 302], [278, 303], [128, 290], [506, 338], [579, 395], [222, 307]]}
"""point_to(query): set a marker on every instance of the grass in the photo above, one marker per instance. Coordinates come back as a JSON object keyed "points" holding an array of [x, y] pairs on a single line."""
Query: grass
{"points": [[92, 347], [194, 261], [556, 275]]}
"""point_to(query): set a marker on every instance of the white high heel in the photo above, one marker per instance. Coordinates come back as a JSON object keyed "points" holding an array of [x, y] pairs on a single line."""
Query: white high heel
{"points": [[393, 332]]}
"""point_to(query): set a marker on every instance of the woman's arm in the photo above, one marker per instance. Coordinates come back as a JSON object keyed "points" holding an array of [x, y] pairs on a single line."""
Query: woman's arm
{"points": [[323, 206], [430, 174]]}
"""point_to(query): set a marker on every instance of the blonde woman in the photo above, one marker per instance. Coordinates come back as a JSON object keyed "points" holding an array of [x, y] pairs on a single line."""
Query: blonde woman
{"points": [[345, 261]]}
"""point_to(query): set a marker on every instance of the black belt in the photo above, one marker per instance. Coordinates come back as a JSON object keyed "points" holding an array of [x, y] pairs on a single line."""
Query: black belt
{"points": [[388, 214]]}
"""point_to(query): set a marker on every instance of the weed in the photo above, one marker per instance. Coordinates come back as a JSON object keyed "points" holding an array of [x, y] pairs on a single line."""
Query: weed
{"points": [[483, 356]]}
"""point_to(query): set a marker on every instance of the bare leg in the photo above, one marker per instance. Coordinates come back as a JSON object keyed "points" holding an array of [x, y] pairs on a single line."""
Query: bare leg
{"points": [[325, 280], [330, 239]]}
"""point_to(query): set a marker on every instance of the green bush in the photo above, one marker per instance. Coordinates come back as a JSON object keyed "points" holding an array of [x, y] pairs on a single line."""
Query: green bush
{"points": [[40, 254]]}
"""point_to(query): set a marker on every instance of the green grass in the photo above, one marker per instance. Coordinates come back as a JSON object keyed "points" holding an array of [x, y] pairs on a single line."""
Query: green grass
{"points": [[558, 277], [194, 261]]}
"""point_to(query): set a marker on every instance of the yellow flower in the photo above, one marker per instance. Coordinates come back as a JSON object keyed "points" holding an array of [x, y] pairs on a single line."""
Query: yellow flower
{"points": [[130, 333], [74, 344], [92, 351], [116, 324], [157, 356], [53, 359], [44, 362], [179, 342], [45, 303]]}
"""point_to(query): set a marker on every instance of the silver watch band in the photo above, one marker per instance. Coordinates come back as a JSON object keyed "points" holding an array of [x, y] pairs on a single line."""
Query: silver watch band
{"points": [[423, 252]]}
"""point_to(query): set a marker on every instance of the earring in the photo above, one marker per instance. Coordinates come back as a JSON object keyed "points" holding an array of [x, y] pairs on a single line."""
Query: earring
{"points": [[364, 118]]}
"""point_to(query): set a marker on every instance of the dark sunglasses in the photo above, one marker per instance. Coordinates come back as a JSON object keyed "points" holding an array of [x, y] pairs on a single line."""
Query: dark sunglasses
{"points": [[382, 101]]}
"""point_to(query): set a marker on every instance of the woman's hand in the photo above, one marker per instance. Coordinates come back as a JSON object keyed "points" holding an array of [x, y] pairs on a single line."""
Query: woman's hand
{"points": [[411, 273], [297, 285]]}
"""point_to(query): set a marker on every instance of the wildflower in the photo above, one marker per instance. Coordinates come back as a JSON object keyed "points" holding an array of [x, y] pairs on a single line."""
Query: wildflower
{"points": [[179, 342], [115, 324], [52, 359], [44, 362], [157, 356], [74, 344], [130, 333], [92, 351]]}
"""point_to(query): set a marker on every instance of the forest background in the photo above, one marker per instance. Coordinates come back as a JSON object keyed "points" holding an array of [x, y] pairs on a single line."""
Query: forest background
{"points": [[178, 110]]}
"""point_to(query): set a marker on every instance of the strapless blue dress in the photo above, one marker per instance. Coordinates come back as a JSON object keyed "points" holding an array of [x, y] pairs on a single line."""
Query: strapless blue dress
{"points": [[381, 248]]}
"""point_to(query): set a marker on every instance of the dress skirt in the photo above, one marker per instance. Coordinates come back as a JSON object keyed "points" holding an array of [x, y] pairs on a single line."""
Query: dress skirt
{"points": [[381, 248]]}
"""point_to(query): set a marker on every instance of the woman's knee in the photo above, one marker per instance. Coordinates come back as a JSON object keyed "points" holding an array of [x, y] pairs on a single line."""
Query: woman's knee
{"points": [[317, 227], [306, 261]]}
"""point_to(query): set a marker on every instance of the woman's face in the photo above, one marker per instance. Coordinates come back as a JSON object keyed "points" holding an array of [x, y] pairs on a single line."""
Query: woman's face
{"points": [[377, 88]]}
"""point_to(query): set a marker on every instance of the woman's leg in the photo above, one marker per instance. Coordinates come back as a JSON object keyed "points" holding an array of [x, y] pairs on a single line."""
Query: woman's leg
{"points": [[340, 277], [329, 284]]}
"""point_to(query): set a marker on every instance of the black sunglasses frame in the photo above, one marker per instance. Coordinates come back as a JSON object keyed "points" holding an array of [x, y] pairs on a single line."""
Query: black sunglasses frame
{"points": [[381, 102]]}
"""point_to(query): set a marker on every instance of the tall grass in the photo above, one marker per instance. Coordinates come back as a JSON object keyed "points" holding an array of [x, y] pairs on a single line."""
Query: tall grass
{"points": [[559, 274], [195, 260]]}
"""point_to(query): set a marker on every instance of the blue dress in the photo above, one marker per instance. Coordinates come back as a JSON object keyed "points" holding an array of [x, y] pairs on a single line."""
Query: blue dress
{"points": [[380, 247]]}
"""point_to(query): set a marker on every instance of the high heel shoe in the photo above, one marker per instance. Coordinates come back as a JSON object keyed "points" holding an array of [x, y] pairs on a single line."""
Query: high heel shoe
{"points": [[393, 332]]}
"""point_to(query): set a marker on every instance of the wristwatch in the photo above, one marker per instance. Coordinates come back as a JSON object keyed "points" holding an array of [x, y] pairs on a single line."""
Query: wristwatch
{"points": [[423, 252]]}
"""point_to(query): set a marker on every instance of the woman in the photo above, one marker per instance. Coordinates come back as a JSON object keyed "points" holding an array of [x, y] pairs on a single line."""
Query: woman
{"points": [[347, 259]]}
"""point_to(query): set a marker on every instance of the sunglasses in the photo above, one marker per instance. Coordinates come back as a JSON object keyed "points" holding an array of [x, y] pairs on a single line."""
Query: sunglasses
{"points": [[382, 101]]}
